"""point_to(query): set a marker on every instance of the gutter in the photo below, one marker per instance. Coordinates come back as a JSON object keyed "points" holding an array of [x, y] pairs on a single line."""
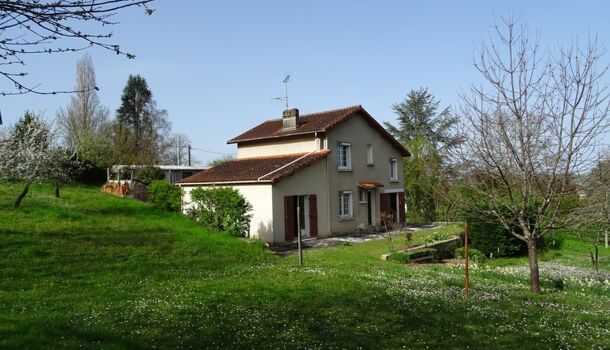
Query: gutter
{"points": [[224, 183]]}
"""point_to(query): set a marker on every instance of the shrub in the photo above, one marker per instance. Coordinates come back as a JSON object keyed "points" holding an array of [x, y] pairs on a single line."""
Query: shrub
{"points": [[221, 209], [439, 236], [150, 173], [473, 254], [487, 235], [405, 257], [164, 194]]}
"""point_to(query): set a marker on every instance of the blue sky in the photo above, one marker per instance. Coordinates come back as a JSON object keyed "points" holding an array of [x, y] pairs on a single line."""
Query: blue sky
{"points": [[216, 65]]}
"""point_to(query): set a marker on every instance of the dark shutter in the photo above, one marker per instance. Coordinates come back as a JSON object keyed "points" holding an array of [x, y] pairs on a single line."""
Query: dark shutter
{"points": [[289, 218], [313, 215], [384, 205], [401, 207]]}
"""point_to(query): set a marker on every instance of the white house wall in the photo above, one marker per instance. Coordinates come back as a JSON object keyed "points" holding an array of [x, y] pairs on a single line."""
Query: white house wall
{"points": [[261, 198], [273, 148]]}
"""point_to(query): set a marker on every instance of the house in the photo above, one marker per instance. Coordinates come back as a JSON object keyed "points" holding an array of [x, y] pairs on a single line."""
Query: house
{"points": [[339, 170]]}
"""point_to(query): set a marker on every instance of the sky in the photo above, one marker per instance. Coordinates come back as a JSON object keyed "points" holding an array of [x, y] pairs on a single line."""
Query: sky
{"points": [[216, 66]]}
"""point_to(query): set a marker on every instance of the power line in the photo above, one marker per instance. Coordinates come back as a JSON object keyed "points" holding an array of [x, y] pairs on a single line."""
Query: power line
{"points": [[213, 152]]}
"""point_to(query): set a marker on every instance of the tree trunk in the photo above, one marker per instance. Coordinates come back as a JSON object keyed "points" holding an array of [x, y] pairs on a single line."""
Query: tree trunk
{"points": [[532, 253], [56, 189], [22, 195]]}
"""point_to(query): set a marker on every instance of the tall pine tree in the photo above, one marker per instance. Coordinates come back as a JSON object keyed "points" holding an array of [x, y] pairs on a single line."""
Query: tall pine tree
{"points": [[141, 125], [427, 132]]}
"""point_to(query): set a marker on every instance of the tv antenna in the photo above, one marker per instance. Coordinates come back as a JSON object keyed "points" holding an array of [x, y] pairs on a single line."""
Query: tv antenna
{"points": [[285, 98]]}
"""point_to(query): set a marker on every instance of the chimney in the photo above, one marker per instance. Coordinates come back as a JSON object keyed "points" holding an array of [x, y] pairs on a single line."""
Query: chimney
{"points": [[290, 119]]}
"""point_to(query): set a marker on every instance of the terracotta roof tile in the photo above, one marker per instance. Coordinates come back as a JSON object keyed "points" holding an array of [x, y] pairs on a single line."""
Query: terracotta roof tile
{"points": [[315, 123], [264, 169], [369, 185]]}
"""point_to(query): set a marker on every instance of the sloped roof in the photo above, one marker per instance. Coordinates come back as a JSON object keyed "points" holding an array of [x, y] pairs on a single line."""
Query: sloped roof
{"points": [[270, 169], [320, 122]]}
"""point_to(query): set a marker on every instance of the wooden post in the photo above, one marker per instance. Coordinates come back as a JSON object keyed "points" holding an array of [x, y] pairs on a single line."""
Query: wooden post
{"points": [[107, 175], [299, 243], [466, 259]]}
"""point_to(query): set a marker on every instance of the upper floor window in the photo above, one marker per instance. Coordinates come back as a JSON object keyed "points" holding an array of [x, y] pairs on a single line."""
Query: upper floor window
{"points": [[369, 154], [344, 156], [345, 204], [393, 169]]}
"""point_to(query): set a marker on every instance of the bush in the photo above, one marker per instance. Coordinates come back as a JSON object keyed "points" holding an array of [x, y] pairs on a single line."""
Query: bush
{"points": [[405, 257], [473, 254], [439, 236], [149, 173], [164, 194], [221, 209], [487, 235]]}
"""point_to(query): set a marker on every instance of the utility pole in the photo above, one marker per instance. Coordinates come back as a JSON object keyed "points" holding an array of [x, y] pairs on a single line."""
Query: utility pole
{"points": [[466, 258], [299, 242]]}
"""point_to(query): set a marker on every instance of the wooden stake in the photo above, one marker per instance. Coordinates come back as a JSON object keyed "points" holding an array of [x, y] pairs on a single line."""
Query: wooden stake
{"points": [[466, 259]]}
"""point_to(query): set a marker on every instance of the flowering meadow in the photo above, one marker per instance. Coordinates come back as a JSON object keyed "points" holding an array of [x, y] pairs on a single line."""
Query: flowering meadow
{"points": [[94, 271]]}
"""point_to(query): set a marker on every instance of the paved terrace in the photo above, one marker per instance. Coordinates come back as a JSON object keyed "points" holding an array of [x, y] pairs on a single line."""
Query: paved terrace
{"points": [[354, 238]]}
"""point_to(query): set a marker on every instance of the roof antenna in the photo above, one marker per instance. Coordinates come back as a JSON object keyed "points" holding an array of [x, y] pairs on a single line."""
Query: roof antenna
{"points": [[285, 98]]}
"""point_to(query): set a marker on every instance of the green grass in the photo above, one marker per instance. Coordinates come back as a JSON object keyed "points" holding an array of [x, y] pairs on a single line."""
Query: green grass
{"points": [[95, 271]]}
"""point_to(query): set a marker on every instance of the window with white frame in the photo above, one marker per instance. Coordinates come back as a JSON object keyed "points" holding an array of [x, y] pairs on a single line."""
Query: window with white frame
{"points": [[345, 204], [393, 169], [344, 156], [362, 194], [369, 154]]}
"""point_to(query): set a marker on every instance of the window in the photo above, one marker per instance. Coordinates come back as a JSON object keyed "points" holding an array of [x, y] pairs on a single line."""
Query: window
{"points": [[362, 194], [393, 169], [344, 154], [345, 204], [369, 154]]}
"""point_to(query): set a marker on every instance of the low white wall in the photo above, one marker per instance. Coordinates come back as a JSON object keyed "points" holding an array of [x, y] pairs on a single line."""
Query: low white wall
{"points": [[260, 197]]}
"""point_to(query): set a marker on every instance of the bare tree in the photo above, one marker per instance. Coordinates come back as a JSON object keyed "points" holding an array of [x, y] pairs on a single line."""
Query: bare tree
{"points": [[85, 115], [592, 218], [31, 27], [177, 150], [530, 128]]}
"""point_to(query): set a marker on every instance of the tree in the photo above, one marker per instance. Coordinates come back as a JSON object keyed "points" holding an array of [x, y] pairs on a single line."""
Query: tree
{"points": [[85, 115], [530, 127], [220, 160], [31, 27], [176, 150], [428, 133], [63, 167], [145, 125], [592, 218], [25, 154]]}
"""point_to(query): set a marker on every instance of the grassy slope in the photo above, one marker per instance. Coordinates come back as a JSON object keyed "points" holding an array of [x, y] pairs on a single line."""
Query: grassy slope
{"points": [[97, 271]]}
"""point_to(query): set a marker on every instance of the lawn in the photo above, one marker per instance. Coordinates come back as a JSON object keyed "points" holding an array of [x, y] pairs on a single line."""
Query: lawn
{"points": [[94, 271]]}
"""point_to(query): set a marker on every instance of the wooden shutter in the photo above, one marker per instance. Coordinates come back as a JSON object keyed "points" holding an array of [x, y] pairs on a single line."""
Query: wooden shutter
{"points": [[313, 215], [384, 205], [289, 218], [401, 207]]}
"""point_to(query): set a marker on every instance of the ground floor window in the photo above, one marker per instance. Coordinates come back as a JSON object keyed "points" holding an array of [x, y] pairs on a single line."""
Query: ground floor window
{"points": [[362, 195], [345, 204]]}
